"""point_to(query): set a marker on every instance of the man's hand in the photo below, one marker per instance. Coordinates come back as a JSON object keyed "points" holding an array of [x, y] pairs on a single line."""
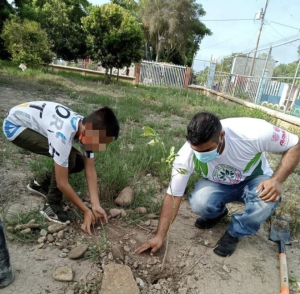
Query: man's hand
{"points": [[154, 243], [271, 190], [88, 220], [99, 213]]}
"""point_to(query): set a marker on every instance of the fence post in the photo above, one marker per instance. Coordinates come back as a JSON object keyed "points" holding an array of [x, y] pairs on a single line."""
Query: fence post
{"points": [[262, 81], [187, 77], [289, 96], [137, 74]]}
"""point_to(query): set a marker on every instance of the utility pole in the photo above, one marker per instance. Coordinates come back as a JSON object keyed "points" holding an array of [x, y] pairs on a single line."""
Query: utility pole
{"points": [[262, 18]]}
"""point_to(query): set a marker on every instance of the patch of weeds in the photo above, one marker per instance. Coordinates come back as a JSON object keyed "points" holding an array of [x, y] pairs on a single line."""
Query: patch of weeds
{"points": [[101, 245], [78, 183], [23, 151], [41, 165], [134, 218], [88, 287], [4, 198], [24, 218], [4, 153], [293, 282], [17, 162]]}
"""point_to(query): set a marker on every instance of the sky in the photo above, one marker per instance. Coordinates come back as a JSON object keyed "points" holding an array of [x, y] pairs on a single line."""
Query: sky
{"points": [[241, 36]]}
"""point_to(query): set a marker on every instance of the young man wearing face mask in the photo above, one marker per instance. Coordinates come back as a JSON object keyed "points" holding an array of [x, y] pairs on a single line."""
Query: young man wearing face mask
{"points": [[51, 129], [230, 156]]}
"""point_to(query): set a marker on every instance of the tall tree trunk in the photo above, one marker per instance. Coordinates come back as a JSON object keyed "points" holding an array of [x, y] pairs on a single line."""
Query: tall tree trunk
{"points": [[118, 75], [106, 77], [146, 50], [157, 51]]}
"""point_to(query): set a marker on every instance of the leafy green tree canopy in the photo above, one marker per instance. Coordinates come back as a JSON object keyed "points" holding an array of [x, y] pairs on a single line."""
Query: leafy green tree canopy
{"points": [[114, 37], [62, 21], [27, 42], [5, 11], [173, 26]]}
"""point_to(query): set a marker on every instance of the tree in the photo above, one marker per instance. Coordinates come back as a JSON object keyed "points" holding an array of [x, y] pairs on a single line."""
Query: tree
{"points": [[61, 19], [27, 42], [5, 11], [226, 63], [130, 5], [174, 27], [114, 37], [286, 70]]}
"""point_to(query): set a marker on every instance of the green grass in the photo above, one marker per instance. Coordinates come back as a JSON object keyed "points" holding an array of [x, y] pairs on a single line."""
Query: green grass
{"points": [[127, 161], [24, 218], [99, 246], [88, 287]]}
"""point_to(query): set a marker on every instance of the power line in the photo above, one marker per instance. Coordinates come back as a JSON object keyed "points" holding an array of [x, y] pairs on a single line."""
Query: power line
{"points": [[223, 41], [283, 25], [251, 40], [289, 12], [281, 35]]}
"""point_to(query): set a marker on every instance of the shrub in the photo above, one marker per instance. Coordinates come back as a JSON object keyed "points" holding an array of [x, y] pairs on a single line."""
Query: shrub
{"points": [[27, 42]]}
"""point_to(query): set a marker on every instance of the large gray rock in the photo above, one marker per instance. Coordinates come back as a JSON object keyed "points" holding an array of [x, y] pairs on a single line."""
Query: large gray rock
{"points": [[141, 210], [78, 251], [114, 212], [60, 234], [117, 252], [26, 231], [63, 273], [125, 197], [118, 279], [43, 232], [50, 238], [55, 228]]}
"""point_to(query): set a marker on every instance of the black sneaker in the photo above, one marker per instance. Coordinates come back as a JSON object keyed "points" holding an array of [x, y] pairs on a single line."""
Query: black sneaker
{"points": [[226, 245], [35, 188], [55, 213], [209, 223]]}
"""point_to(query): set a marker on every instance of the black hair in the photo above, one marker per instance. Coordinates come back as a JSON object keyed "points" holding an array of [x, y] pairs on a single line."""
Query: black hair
{"points": [[203, 127], [104, 119]]}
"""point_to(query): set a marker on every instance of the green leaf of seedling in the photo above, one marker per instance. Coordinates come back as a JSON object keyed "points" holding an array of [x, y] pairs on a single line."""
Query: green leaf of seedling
{"points": [[154, 142], [149, 132]]}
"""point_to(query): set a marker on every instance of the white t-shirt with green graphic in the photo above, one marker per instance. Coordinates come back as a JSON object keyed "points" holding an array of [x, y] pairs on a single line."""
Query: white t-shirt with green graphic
{"points": [[246, 141]]}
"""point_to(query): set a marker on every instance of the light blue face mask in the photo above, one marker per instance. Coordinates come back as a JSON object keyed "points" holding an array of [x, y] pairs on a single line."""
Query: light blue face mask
{"points": [[207, 156]]}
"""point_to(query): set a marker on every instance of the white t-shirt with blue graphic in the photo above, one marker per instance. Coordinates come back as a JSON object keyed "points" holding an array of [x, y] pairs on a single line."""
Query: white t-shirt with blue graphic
{"points": [[56, 122], [246, 142]]}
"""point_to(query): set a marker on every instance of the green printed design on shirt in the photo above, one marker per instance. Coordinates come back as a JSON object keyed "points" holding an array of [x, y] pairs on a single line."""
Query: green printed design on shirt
{"points": [[200, 167], [252, 162], [256, 172]]}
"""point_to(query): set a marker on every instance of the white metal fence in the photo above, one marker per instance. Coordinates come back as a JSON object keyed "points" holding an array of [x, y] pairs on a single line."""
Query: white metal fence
{"points": [[162, 74]]}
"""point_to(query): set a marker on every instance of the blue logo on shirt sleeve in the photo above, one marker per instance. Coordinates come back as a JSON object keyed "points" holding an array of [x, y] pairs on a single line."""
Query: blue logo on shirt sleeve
{"points": [[10, 129]]}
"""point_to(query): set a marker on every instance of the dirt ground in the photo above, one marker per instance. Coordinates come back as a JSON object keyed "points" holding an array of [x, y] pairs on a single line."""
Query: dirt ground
{"points": [[191, 267]]}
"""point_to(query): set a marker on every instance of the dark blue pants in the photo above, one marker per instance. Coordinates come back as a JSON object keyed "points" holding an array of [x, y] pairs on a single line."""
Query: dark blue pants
{"points": [[6, 273]]}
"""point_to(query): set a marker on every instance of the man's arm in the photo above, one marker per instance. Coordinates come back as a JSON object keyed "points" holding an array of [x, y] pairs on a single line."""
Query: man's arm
{"points": [[272, 187], [91, 179], [289, 161], [62, 181], [169, 211]]}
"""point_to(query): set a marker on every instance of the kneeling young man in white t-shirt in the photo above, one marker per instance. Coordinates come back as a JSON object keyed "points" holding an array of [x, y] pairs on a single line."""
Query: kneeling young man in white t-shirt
{"points": [[230, 156]]}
